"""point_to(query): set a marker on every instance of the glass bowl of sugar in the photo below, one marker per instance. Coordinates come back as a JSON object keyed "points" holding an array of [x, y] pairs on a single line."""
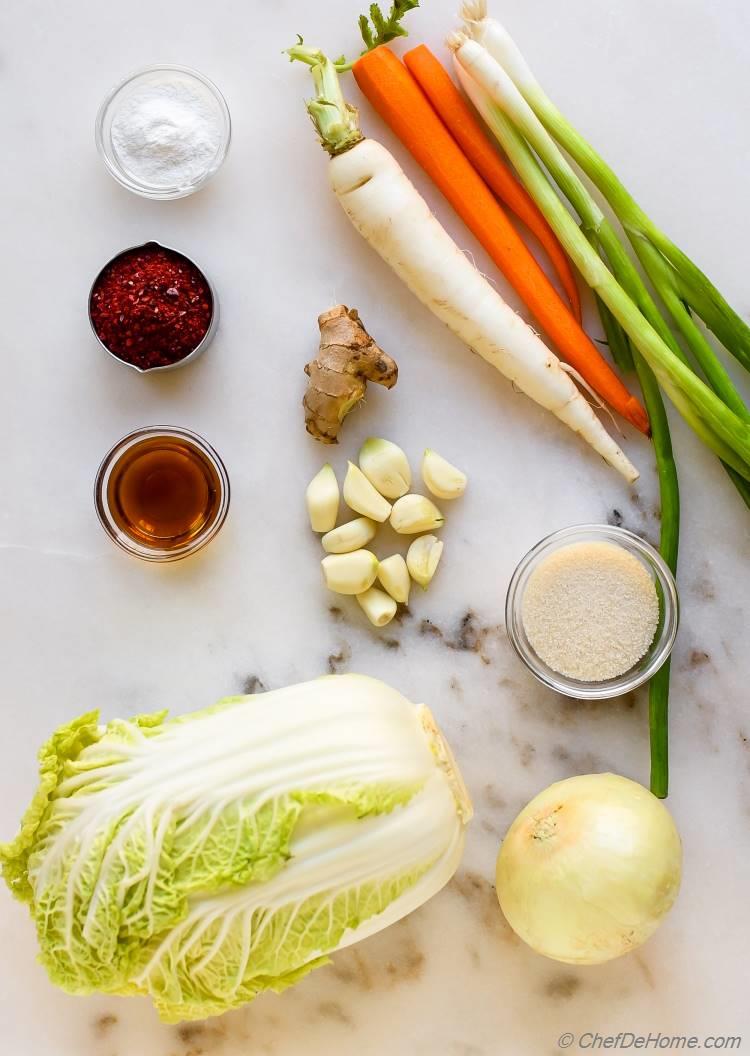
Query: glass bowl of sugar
{"points": [[593, 611], [164, 131]]}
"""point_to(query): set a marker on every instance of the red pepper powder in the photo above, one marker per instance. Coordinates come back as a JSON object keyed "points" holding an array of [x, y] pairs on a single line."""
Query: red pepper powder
{"points": [[151, 306]]}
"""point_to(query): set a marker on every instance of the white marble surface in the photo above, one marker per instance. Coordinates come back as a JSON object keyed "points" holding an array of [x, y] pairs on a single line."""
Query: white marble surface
{"points": [[661, 87]]}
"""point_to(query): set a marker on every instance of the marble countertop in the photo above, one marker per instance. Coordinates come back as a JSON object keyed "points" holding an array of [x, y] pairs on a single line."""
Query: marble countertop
{"points": [[84, 626]]}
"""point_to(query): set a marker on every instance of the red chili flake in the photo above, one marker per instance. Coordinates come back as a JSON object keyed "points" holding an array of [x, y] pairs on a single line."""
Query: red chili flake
{"points": [[166, 317]]}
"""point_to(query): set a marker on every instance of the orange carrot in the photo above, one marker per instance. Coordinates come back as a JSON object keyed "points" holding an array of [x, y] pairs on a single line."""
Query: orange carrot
{"points": [[459, 119], [399, 100]]}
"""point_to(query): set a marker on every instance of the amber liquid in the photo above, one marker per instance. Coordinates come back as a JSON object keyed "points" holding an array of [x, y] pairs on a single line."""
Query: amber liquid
{"points": [[163, 492]]}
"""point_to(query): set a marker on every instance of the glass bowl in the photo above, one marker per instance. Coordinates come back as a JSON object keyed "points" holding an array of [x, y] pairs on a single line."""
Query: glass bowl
{"points": [[208, 92], [202, 345], [666, 633], [104, 500]]}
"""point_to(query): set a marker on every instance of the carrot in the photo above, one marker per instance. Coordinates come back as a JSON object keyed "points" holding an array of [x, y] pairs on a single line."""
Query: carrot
{"points": [[459, 119], [399, 100]]}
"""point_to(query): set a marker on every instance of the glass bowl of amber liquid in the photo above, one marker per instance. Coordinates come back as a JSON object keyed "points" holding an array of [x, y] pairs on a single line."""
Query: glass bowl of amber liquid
{"points": [[162, 493]]}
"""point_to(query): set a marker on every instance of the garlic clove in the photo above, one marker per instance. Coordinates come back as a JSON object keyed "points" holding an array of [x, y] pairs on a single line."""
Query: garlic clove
{"points": [[394, 576], [442, 479], [350, 536], [378, 606], [322, 497], [361, 496], [415, 513], [352, 573], [386, 467], [423, 559]]}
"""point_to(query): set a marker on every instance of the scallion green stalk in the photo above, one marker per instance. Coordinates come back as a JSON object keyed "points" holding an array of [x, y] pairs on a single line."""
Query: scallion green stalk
{"points": [[692, 286], [489, 94], [603, 238], [634, 325]]}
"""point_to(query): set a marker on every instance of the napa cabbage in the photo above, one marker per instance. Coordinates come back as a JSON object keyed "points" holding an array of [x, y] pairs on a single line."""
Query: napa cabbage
{"points": [[205, 859]]}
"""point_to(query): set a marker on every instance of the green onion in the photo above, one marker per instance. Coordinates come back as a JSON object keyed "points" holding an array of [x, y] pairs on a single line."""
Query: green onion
{"points": [[511, 119], [636, 331]]}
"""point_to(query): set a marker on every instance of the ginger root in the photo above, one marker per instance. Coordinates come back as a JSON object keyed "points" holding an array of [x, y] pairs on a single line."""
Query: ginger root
{"points": [[348, 358]]}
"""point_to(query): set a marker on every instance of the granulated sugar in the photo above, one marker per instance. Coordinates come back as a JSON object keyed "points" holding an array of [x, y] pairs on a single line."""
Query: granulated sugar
{"points": [[590, 611]]}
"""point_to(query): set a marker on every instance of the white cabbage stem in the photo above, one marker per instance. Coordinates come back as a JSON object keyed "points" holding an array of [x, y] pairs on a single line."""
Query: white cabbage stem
{"points": [[350, 536], [423, 559], [442, 479], [415, 513], [362, 497], [350, 573], [386, 467], [322, 499], [379, 607], [589, 869], [394, 576]]}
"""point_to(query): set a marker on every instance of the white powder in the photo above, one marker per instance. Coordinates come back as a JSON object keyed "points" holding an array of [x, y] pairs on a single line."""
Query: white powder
{"points": [[590, 611], [167, 134]]}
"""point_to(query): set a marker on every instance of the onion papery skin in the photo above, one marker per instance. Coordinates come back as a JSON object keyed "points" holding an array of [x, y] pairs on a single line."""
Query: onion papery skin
{"points": [[589, 869]]}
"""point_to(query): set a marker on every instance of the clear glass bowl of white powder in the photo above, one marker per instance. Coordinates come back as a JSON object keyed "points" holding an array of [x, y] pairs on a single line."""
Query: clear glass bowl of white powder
{"points": [[164, 131], [592, 611]]}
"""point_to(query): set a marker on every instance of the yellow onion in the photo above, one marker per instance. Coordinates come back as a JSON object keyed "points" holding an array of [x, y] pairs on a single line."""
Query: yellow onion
{"points": [[589, 869]]}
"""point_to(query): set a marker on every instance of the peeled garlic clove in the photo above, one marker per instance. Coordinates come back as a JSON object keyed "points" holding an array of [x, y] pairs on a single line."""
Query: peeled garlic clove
{"points": [[386, 467], [423, 559], [350, 573], [322, 497], [394, 575], [415, 513], [351, 536], [361, 496], [441, 478], [378, 606]]}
